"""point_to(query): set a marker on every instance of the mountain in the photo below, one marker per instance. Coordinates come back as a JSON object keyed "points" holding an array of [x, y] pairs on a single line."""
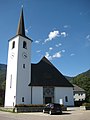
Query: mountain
{"points": [[87, 73], [68, 78], [3, 68]]}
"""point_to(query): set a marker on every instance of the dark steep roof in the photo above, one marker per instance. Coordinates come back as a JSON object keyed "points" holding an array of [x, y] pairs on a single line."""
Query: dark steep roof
{"points": [[45, 74], [21, 28]]}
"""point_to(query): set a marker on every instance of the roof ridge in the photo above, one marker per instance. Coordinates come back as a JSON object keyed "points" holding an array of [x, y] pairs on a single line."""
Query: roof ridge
{"points": [[47, 61]]}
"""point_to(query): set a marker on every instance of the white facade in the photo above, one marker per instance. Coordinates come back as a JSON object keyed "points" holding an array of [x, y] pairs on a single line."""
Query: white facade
{"points": [[18, 72], [37, 95], [64, 93]]}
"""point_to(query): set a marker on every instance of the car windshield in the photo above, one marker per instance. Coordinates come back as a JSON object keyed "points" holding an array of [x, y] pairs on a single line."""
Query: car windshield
{"points": [[48, 105], [56, 105], [53, 105]]}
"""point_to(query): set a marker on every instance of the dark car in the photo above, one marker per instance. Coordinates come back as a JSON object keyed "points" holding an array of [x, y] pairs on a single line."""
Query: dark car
{"points": [[52, 108]]}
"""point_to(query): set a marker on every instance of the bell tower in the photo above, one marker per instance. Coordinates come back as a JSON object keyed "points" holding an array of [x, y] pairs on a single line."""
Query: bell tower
{"points": [[18, 68]]}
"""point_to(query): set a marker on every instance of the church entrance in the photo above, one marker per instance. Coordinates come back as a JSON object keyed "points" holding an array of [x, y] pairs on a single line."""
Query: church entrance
{"points": [[48, 95], [48, 100]]}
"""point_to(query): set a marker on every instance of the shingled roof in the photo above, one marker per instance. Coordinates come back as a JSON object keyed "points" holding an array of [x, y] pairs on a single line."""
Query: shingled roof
{"points": [[45, 74], [78, 89]]}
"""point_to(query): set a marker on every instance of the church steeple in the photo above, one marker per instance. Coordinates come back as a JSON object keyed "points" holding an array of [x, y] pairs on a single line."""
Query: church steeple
{"points": [[21, 28]]}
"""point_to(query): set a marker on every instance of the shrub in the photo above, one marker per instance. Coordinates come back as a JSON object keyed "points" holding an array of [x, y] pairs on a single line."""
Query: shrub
{"points": [[86, 104], [30, 105]]}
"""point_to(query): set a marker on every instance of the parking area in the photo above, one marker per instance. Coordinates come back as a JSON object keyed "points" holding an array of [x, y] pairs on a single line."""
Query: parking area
{"points": [[67, 115]]}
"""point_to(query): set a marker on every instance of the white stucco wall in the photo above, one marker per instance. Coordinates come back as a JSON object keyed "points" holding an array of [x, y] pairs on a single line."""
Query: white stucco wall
{"points": [[11, 70], [20, 77], [61, 93], [23, 75], [37, 95]]}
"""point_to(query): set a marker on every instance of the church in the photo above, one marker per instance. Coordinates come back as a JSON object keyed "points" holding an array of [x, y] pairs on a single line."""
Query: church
{"points": [[28, 83]]}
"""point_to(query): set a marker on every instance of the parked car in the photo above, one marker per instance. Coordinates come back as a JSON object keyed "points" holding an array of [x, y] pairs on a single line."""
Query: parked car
{"points": [[52, 108]]}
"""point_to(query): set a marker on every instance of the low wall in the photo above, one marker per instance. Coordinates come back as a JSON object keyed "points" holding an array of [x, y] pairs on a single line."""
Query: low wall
{"points": [[20, 109], [7, 109], [84, 107]]}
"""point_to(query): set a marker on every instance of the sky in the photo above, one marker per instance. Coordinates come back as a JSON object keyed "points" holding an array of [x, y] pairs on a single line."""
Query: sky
{"points": [[60, 30]]}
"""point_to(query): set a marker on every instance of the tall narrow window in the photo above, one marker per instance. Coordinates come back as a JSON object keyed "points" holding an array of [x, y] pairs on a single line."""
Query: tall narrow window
{"points": [[24, 66], [24, 45], [66, 99], [10, 81], [22, 99], [13, 44]]}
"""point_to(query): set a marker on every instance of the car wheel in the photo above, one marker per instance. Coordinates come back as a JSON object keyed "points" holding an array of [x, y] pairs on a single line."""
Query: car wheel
{"points": [[60, 112], [50, 112], [43, 111]]}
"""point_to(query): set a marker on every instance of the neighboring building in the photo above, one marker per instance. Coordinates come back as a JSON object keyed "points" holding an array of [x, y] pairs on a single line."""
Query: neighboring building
{"points": [[79, 95], [28, 83]]}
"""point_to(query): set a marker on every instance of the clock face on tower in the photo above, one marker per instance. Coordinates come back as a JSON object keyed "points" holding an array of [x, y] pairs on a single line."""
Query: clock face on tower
{"points": [[12, 55], [24, 55]]}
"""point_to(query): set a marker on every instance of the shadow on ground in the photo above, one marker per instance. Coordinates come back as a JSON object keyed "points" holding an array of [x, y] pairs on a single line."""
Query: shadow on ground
{"points": [[66, 113], [62, 114]]}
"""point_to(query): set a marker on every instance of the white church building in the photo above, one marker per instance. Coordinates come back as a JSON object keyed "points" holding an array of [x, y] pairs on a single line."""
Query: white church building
{"points": [[28, 83]]}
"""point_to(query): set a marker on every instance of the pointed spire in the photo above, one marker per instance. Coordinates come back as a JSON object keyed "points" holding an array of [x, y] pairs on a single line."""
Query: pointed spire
{"points": [[21, 28]]}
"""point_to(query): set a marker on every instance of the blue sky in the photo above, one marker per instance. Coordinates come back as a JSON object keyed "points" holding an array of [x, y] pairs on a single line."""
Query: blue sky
{"points": [[60, 30]]}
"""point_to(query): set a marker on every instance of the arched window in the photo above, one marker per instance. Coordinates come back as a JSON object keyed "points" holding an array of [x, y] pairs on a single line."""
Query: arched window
{"points": [[10, 81], [66, 99], [22, 99], [24, 66], [13, 44], [24, 45]]}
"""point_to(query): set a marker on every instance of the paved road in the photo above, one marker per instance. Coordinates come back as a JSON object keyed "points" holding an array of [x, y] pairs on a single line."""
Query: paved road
{"points": [[68, 115]]}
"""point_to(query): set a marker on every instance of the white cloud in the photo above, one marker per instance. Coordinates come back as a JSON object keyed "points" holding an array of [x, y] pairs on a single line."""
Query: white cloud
{"points": [[38, 51], [50, 48], [64, 34], [87, 44], [52, 35], [57, 55], [72, 54], [37, 41], [48, 56], [57, 45], [27, 29], [88, 37], [63, 51], [65, 26]]}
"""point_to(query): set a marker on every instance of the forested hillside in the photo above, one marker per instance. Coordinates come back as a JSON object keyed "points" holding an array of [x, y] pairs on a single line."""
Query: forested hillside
{"points": [[3, 68], [83, 80], [2, 82]]}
